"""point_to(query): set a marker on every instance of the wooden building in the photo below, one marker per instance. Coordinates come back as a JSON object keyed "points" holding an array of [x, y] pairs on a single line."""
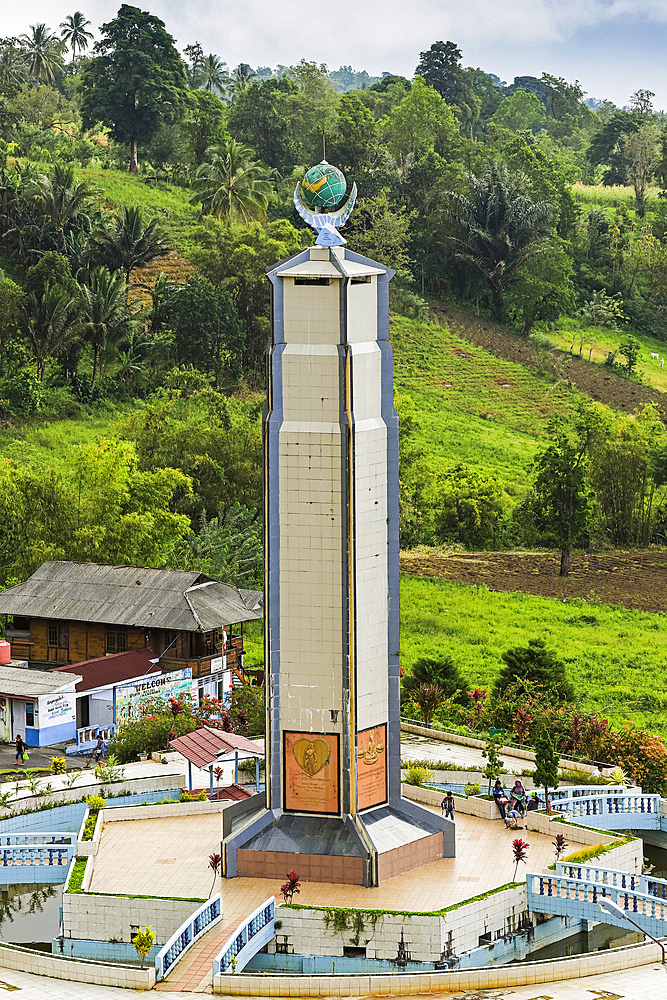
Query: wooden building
{"points": [[69, 612]]}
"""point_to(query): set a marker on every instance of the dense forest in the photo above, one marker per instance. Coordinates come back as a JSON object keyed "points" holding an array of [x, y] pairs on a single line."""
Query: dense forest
{"points": [[143, 193]]}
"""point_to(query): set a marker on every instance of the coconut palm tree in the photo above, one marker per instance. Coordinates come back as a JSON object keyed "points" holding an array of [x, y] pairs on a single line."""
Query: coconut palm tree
{"points": [[232, 183], [74, 32], [53, 324], [125, 242], [105, 312], [213, 74], [13, 67], [62, 197], [44, 52], [498, 228], [241, 78]]}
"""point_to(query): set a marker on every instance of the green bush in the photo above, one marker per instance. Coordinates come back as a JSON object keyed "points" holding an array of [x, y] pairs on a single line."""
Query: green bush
{"points": [[187, 797], [76, 878], [418, 776], [95, 802]]}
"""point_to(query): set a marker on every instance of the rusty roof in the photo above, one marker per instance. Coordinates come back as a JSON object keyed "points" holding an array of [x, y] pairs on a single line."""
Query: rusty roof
{"points": [[105, 670], [178, 600], [205, 745]]}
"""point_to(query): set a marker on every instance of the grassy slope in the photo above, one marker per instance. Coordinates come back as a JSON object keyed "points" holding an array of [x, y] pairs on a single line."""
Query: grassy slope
{"points": [[617, 664], [478, 409]]}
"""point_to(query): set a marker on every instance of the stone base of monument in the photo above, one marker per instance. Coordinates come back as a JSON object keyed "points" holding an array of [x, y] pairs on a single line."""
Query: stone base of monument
{"points": [[379, 844]]}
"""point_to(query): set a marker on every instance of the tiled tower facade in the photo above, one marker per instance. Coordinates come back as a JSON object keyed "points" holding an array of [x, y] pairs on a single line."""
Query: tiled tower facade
{"points": [[333, 801]]}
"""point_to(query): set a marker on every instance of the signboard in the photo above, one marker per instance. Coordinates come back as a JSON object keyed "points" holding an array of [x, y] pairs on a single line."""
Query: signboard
{"points": [[130, 698], [56, 709], [217, 664], [311, 772], [372, 767]]}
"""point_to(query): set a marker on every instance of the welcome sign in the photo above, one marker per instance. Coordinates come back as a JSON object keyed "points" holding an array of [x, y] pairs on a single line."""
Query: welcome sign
{"points": [[131, 698]]}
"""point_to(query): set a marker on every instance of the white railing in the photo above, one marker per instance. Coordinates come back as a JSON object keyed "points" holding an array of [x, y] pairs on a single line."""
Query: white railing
{"points": [[89, 734], [611, 876], [37, 857], [612, 812], [249, 937], [182, 940]]}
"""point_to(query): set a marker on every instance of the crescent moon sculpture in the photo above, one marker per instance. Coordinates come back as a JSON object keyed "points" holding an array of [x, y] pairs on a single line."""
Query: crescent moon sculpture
{"points": [[326, 224]]}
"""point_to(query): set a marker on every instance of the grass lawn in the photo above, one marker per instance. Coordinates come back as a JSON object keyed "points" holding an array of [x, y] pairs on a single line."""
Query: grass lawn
{"points": [[608, 340], [52, 443], [616, 658]]}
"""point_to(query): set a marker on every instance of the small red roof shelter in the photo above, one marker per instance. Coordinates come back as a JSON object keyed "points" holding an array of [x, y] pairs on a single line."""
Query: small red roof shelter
{"points": [[206, 746]]}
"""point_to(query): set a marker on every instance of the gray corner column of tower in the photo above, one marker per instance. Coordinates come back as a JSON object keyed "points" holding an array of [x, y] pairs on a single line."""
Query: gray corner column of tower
{"points": [[333, 784]]}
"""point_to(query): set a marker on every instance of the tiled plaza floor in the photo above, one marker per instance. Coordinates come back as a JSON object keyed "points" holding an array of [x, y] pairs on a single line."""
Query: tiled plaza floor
{"points": [[156, 855]]}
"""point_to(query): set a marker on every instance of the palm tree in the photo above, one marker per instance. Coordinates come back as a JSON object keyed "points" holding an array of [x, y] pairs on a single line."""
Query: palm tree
{"points": [[213, 74], [61, 197], [53, 323], [499, 228], [74, 32], [105, 311], [125, 243], [241, 79], [44, 53], [13, 68], [232, 183]]}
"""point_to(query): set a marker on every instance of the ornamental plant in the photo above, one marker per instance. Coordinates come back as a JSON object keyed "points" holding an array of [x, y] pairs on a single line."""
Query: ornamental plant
{"points": [[143, 942], [58, 765], [290, 887], [560, 845], [215, 864], [519, 853]]}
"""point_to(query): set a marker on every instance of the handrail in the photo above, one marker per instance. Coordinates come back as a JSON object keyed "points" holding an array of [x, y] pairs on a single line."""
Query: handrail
{"points": [[86, 734], [208, 914], [645, 884], [262, 919], [579, 897]]}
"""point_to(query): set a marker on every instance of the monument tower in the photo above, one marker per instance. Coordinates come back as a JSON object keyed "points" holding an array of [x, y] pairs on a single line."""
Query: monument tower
{"points": [[333, 803]]}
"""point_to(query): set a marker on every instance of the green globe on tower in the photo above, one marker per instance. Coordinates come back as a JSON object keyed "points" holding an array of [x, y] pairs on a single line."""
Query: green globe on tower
{"points": [[323, 186]]}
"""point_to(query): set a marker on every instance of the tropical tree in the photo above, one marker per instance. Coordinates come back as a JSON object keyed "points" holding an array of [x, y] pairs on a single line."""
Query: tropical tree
{"points": [[53, 323], [74, 34], [44, 52], [125, 243], [105, 312], [499, 228], [241, 78], [62, 197], [232, 184], [136, 80], [214, 74], [13, 67]]}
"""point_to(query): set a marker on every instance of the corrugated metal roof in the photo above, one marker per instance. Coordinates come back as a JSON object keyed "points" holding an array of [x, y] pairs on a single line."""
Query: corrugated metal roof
{"points": [[104, 670], [205, 745], [131, 596], [20, 682]]}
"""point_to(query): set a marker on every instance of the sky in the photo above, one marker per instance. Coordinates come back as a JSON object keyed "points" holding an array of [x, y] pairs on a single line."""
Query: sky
{"points": [[613, 47]]}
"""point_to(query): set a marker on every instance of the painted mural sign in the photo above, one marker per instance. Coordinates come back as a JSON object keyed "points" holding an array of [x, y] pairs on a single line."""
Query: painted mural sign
{"points": [[130, 698], [311, 772], [372, 767], [56, 709]]}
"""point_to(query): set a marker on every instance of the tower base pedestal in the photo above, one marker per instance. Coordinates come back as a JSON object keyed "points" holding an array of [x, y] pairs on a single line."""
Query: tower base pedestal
{"points": [[376, 845]]}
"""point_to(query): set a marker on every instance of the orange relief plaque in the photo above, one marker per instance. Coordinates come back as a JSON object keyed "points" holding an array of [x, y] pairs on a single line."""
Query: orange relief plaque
{"points": [[372, 767], [311, 772]]}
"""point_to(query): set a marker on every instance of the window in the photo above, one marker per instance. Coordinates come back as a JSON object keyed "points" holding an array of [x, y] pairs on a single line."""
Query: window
{"points": [[312, 281], [116, 640], [52, 635], [30, 713], [57, 635], [21, 624], [361, 280]]}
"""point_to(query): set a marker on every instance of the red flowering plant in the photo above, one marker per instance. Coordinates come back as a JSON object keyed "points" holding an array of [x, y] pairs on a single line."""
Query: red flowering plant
{"points": [[644, 756], [519, 853], [215, 864], [290, 887], [474, 712], [160, 720]]}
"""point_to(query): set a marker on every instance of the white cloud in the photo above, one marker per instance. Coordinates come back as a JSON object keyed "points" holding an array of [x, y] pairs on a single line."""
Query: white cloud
{"points": [[510, 37]]}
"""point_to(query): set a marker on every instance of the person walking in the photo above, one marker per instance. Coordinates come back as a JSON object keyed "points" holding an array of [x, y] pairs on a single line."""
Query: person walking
{"points": [[99, 748], [20, 749], [447, 806]]}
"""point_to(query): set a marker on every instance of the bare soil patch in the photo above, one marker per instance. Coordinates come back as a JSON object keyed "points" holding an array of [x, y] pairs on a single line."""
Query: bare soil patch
{"points": [[632, 579]]}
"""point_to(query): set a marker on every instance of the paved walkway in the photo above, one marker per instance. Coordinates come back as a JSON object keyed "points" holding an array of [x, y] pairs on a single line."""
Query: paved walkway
{"points": [[421, 748]]}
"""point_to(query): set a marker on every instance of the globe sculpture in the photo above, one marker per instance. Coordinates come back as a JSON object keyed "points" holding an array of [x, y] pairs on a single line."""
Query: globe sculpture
{"points": [[323, 186], [316, 198]]}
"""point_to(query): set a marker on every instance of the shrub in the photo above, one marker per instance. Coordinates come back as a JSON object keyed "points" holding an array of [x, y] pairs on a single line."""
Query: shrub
{"points": [[58, 765], [418, 776], [187, 797], [95, 802], [76, 878]]}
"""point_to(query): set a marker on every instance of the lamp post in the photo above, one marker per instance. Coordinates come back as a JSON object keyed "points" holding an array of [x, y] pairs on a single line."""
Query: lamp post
{"points": [[611, 907]]}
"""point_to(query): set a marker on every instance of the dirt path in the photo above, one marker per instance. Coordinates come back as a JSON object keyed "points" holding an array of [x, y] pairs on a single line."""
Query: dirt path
{"points": [[632, 579]]}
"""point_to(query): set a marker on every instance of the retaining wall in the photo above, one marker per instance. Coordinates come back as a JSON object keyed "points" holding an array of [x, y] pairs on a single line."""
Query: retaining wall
{"points": [[499, 977], [41, 964], [101, 917]]}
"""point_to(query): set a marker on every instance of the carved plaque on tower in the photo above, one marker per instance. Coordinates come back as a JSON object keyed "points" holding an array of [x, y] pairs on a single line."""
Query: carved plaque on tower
{"points": [[372, 767], [311, 772]]}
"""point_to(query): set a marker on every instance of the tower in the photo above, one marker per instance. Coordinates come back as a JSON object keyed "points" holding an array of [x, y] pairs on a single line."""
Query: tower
{"points": [[333, 787]]}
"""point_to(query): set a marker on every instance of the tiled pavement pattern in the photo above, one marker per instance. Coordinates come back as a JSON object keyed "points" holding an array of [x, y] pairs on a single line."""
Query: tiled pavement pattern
{"points": [[484, 861], [646, 983], [421, 748]]}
